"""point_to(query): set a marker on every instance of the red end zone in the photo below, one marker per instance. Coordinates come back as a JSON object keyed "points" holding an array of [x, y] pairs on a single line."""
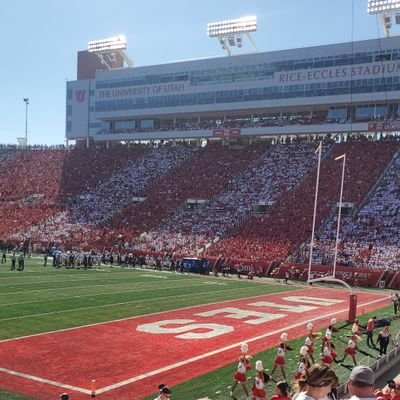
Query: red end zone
{"points": [[129, 358]]}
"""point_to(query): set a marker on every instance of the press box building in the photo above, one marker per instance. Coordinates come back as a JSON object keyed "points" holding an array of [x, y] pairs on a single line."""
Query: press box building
{"points": [[335, 89]]}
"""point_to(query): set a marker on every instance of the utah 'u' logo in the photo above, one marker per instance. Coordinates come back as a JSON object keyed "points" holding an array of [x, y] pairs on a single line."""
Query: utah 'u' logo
{"points": [[80, 95]]}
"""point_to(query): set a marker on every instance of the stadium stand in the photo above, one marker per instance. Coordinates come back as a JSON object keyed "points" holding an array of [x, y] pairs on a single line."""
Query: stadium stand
{"points": [[368, 238], [289, 224], [249, 204], [200, 178], [277, 171]]}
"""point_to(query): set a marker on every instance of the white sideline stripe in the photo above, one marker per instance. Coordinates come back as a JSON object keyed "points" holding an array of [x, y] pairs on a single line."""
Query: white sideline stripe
{"points": [[42, 380], [221, 350]]}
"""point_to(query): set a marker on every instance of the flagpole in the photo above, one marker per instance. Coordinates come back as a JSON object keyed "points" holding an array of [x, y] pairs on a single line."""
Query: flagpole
{"points": [[340, 211], [319, 149]]}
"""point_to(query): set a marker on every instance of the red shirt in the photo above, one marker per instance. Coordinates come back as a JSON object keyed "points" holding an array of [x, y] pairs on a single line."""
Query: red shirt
{"points": [[370, 325]]}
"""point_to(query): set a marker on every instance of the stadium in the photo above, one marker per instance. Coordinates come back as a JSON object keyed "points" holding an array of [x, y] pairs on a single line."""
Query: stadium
{"points": [[210, 211]]}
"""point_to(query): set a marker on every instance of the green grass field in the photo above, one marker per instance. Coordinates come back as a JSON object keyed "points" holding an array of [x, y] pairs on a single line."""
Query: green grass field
{"points": [[46, 299]]}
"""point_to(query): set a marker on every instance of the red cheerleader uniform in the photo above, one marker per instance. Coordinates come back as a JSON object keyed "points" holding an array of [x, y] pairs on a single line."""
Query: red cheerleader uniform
{"points": [[258, 388], [280, 358], [240, 374], [351, 348], [327, 356], [300, 370], [309, 343]]}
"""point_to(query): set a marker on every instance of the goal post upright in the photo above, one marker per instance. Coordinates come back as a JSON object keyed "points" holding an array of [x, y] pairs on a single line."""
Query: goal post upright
{"points": [[352, 296]]}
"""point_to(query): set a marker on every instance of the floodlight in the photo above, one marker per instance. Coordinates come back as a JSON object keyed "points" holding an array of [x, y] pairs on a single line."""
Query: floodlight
{"points": [[383, 6], [386, 9], [232, 26], [107, 45], [229, 32], [106, 49]]}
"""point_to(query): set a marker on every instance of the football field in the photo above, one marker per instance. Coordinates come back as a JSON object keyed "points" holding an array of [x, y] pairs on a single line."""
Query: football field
{"points": [[121, 332]]}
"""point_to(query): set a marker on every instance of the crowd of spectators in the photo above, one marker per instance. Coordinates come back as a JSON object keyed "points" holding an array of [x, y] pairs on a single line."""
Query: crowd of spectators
{"points": [[29, 182], [277, 171], [85, 168], [289, 223], [202, 177], [98, 204], [370, 238], [141, 193]]}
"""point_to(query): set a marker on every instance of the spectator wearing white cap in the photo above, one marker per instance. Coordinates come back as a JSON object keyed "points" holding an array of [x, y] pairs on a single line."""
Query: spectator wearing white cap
{"points": [[361, 383]]}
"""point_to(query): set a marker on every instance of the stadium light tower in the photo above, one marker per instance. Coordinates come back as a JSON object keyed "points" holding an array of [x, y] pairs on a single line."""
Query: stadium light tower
{"points": [[230, 32], [386, 9], [26, 100], [106, 49]]}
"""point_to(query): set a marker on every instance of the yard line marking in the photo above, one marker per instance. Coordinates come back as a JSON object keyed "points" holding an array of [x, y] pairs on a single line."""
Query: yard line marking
{"points": [[42, 380], [221, 350], [123, 282], [144, 315], [112, 305], [156, 313], [81, 279], [93, 294]]}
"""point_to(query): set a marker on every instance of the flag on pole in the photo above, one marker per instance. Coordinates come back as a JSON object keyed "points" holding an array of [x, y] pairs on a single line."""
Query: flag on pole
{"points": [[340, 157]]}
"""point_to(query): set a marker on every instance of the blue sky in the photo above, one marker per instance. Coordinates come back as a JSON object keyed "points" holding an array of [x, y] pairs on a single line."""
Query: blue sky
{"points": [[40, 40]]}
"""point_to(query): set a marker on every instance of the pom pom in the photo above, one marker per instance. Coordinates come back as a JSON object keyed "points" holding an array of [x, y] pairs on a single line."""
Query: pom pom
{"points": [[308, 341], [244, 348], [310, 326], [284, 337], [259, 366], [304, 350], [333, 321]]}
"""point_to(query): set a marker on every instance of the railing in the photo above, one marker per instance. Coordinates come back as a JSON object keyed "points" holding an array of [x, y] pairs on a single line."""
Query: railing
{"points": [[379, 366]]}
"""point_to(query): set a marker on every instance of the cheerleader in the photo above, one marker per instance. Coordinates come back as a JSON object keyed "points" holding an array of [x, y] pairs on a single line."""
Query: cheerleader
{"points": [[356, 328], [303, 364], [258, 391], [350, 350], [244, 347], [309, 342], [240, 376], [310, 349], [328, 355], [330, 330], [280, 357]]}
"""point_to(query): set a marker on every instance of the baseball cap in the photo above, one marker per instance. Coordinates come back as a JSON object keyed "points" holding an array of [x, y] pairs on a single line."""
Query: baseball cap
{"points": [[363, 374], [64, 396]]}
